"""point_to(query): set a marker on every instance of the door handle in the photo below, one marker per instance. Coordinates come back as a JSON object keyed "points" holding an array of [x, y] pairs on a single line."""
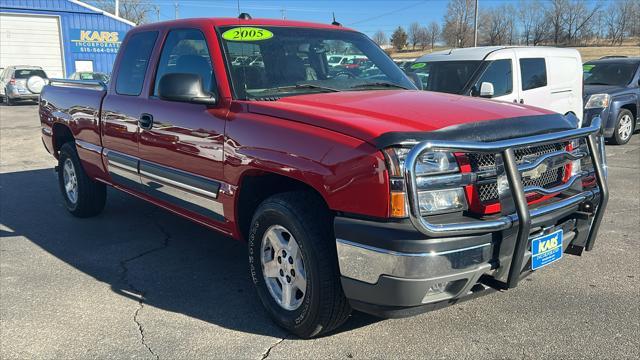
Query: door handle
{"points": [[146, 121]]}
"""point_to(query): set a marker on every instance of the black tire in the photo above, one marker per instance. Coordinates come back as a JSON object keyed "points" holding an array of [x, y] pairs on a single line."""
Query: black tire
{"points": [[618, 138], [91, 195], [324, 306]]}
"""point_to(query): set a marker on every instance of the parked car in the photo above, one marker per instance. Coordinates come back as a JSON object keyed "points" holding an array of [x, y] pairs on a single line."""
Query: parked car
{"points": [[21, 82], [404, 64], [612, 91], [546, 77], [351, 193], [89, 75], [338, 61]]}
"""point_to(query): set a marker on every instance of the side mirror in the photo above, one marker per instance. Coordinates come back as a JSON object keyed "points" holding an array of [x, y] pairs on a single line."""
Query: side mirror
{"points": [[415, 79], [184, 87], [486, 90]]}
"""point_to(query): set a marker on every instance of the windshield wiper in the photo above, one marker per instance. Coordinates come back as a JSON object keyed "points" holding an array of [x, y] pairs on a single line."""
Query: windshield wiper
{"points": [[596, 83], [378, 84], [302, 86]]}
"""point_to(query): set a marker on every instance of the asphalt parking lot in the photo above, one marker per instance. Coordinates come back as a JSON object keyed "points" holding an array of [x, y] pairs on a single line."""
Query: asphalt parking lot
{"points": [[139, 282]]}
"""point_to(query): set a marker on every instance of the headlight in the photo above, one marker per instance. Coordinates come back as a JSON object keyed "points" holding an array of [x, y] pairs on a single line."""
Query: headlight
{"points": [[429, 164], [598, 101], [442, 201]]}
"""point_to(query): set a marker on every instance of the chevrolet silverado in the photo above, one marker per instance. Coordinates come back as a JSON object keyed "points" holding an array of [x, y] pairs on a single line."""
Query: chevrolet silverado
{"points": [[351, 192]]}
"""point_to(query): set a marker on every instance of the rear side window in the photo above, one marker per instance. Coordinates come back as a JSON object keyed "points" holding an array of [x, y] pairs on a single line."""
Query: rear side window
{"points": [[498, 73], [533, 72], [134, 63], [186, 51]]}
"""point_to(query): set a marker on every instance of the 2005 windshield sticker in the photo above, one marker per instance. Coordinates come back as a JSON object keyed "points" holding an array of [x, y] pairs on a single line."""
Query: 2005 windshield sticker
{"points": [[247, 34], [95, 41]]}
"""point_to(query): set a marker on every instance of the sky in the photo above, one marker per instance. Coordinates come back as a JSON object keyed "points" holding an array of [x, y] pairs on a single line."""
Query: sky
{"points": [[366, 16]]}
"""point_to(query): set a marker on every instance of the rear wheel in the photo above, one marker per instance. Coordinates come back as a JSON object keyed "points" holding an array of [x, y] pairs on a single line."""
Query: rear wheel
{"points": [[83, 197], [624, 127], [293, 264]]}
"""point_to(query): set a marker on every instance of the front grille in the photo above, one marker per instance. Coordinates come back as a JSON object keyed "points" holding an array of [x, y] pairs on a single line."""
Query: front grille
{"points": [[488, 192]]}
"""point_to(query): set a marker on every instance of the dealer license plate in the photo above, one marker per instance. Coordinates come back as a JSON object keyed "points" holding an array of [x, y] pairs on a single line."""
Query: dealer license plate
{"points": [[546, 249]]}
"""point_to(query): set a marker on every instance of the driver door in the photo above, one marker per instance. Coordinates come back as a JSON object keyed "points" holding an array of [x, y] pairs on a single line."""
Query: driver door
{"points": [[181, 143]]}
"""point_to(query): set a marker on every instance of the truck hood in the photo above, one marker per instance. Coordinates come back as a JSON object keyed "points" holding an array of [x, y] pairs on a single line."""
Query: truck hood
{"points": [[366, 115]]}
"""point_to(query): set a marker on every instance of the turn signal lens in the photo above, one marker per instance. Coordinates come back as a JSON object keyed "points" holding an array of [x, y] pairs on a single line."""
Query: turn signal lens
{"points": [[398, 208]]}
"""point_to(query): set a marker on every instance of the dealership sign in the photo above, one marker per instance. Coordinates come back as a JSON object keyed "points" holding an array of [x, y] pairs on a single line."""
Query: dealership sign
{"points": [[95, 41]]}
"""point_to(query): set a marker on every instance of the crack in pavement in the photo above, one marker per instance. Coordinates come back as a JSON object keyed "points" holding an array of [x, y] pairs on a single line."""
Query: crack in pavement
{"points": [[266, 353], [140, 293]]}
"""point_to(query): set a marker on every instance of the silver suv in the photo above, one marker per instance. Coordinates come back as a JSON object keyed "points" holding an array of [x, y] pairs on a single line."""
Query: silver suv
{"points": [[21, 82]]}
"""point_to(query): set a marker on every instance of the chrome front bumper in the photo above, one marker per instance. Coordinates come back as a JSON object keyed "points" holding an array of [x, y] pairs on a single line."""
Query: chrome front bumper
{"points": [[368, 263]]}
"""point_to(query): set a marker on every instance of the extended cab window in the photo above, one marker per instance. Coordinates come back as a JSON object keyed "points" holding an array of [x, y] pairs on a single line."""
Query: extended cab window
{"points": [[533, 72], [186, 51], [498, 73], [134, 63]]}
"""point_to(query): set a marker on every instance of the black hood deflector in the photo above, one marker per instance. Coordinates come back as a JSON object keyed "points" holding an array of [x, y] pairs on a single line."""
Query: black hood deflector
{"points": [[485, 131]]}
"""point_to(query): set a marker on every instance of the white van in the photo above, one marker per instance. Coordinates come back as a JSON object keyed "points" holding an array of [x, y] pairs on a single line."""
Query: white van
{"points": [[545, 77]]}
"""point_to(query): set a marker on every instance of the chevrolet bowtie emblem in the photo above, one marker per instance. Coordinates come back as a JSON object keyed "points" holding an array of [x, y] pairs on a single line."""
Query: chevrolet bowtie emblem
{"points": [[536, 172]]}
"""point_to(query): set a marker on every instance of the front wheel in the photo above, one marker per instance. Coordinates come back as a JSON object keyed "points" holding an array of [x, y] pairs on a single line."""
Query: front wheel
{"points": [[294, 266], [624, 127], [83, 197]]}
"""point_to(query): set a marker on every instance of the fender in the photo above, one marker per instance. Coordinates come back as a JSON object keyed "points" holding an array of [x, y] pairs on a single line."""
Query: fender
{"points": [[348, 173], [617, 103]]}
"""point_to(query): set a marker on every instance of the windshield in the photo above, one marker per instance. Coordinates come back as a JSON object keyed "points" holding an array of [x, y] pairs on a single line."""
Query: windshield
{"points": [[616, 74], [295, 61], [27, 73], [445, 76]]}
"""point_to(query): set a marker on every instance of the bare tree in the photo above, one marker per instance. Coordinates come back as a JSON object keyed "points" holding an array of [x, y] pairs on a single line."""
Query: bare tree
{"points": [[423, 37], [458, 23], [526, 19], [434, 33], [380, 38], [555, 16], [414, 34], [619, 20], [540, 25], [497, 25], [137, 11], [578, 19]]}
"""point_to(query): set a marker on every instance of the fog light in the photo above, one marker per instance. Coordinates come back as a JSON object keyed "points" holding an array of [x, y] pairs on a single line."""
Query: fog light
{"points": [[442, 201], [436, 289]]}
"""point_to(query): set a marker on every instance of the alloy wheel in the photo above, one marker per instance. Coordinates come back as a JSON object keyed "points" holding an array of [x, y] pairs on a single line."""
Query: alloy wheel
{"points": [[70, 181], [283, 267], [626, 127]]}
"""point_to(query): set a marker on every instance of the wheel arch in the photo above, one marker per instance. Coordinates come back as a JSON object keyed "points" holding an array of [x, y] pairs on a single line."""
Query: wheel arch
{"points": [[61, 134], [256, 186]]}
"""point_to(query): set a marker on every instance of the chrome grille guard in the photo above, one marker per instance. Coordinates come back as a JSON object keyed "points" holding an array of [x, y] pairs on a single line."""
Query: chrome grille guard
{"points": [[523, 216]]}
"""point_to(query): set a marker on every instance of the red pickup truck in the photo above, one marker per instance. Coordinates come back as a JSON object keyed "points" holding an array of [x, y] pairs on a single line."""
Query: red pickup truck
{"points": [[351, 192]]}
